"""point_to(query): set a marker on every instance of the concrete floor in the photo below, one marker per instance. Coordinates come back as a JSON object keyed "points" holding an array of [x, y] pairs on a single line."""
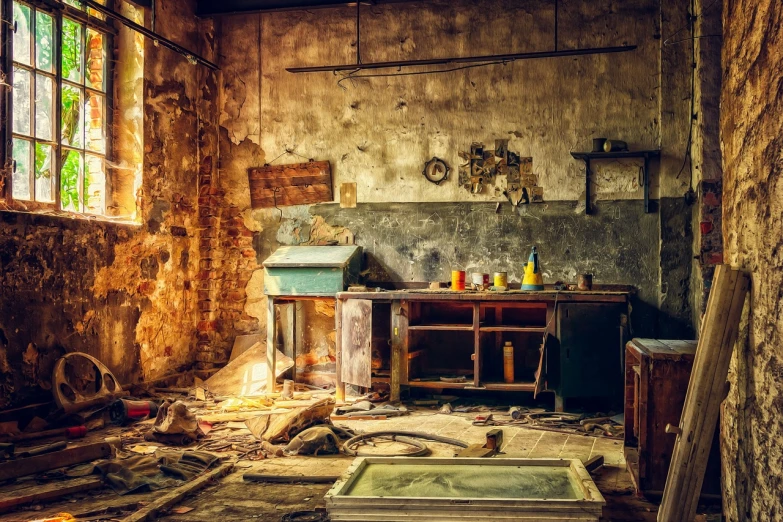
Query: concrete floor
{"points": [[233, 499]]}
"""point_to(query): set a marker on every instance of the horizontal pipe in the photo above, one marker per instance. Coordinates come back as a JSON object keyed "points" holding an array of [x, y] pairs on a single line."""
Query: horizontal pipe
{"points": [[468, 59], [149, 34]]}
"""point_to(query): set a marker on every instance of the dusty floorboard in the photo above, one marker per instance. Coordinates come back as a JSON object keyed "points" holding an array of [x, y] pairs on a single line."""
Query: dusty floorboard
{"points": [[233, 499]]}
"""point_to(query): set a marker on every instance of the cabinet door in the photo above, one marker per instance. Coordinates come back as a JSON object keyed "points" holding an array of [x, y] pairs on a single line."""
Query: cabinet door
{"points": [[356, 345], [591, 349]]}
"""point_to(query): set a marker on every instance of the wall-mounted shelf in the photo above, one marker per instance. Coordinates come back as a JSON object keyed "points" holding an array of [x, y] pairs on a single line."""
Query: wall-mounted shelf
{"points": [[646, 155]]}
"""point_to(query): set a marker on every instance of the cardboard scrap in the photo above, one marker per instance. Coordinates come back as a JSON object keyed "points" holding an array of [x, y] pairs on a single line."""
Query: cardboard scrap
{"points": [[246, 375]]}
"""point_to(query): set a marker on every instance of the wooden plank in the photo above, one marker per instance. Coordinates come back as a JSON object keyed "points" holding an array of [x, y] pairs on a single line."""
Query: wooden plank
{"points": [[397, 361], [58, 459], [348, 195], [295, 184], [47, 492], [271, 345], [164, 502], [706, 391], [339, 395], [356, 345]]}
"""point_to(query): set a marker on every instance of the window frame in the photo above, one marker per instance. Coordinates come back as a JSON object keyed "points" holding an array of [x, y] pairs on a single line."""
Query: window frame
{"points": [[57, 10]]}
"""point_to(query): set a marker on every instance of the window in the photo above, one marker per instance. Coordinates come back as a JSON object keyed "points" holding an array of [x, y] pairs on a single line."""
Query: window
{"points": [[60, 108]]}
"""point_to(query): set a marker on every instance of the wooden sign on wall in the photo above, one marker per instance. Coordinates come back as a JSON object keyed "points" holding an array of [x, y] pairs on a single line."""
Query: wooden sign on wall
{"points": [[286, 185]]}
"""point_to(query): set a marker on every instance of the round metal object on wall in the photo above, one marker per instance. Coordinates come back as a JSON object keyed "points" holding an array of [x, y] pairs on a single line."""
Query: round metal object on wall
{"points": [[436, 171]]}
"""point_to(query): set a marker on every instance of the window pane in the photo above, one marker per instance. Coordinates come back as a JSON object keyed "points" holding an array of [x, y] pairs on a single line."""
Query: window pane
{"points": [[94, 122], [72, 51], [70, 177], [44, 174], [96, 14], [21, 100], [44, 107], [74, 3], [21, 174], [72, 118], [22, 35], [94, 184], [44, 42], [96, 58]]}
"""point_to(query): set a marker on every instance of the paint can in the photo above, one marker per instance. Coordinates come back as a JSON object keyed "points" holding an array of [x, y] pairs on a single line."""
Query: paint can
{"points": [[515, 412], [508, 362], [477, 278], [458, 280], [584, 282], [598, 144], [501, 279]]}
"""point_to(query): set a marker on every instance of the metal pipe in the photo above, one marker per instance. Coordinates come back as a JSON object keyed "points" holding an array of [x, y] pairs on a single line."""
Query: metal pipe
{"points": [[470, 59], [190, 55]]}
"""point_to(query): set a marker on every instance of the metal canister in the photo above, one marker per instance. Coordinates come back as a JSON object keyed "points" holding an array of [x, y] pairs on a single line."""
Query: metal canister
{"points": [[458, 280], [584, 282], [501, 279]]}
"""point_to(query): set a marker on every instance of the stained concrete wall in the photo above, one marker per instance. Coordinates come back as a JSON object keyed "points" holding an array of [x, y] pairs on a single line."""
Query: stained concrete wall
{"points": [[123, 293], [380, 131], [752, 145]]}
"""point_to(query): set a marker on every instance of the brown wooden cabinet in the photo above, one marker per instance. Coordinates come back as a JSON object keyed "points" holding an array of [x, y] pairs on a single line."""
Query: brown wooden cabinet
{"points": [[454, 340], [656, 381]]}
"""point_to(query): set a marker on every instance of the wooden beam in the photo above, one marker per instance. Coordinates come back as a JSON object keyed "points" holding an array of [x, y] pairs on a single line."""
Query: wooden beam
{"points": [[58, 459], [46, 492], [706, 391], [174, 497]]}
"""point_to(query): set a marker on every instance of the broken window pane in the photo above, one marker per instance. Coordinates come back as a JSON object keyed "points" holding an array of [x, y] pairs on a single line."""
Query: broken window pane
{"points": [[22, 15], [44, 42], [72, 51], [44, 175], [22, 101], [94, 184], [94, 122], [70, 176], [44, 107], [96, 59], [71, 124], [21, 173]]}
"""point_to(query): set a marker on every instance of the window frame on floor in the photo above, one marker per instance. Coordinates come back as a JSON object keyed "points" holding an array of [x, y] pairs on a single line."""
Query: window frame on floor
{"points": [[88, 22]]}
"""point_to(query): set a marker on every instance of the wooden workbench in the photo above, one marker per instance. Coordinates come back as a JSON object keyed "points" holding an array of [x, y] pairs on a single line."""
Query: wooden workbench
{"points": [[434, 335]]}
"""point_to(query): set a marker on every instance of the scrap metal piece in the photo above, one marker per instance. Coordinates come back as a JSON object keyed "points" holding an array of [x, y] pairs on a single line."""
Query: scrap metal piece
{"points": [[80, 381]]}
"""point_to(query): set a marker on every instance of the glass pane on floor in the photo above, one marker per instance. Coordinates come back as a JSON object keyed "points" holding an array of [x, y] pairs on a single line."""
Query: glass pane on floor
{"points": [[71, 175], [72, 119], [20, 188], [96, 59], [22, 17], [94, 184], [22, 102], [94, 122], [44, 173], [44, 107], [72, 52], [44, 42]]}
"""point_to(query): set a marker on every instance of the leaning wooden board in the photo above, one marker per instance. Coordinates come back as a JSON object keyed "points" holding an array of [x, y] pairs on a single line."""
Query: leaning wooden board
{"points": [[295, 184], [706, 391], [58, 459]]}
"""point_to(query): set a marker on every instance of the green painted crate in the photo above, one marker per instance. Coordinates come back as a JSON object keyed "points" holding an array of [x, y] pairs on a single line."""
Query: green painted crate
{"points": [[312, 270]]}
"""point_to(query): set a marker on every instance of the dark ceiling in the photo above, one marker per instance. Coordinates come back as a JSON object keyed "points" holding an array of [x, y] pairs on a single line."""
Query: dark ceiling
{"points": [[217, 7]]}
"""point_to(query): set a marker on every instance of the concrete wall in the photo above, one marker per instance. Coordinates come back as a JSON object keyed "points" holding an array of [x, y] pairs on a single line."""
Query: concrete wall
{"points": [[379, 132], [752, 144], [123, 293]]}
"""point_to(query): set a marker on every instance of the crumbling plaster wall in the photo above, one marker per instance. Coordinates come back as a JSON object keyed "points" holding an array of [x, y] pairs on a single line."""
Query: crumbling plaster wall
{"points": [[123, 293], [379, 132], [752, 145]]}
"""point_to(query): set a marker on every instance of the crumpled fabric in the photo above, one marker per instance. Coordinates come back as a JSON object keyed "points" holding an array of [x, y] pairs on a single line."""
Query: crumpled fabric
{"points": [[167, 468], [175, 424]]}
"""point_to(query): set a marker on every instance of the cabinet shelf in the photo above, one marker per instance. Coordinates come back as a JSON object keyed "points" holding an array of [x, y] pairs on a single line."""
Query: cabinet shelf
{"points": [[512, 328], [442, 327], [510, 386], [440, 384]]}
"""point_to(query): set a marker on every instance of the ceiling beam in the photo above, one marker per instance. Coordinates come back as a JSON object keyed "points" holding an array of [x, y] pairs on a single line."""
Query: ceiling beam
{"points": [[208, 8]]}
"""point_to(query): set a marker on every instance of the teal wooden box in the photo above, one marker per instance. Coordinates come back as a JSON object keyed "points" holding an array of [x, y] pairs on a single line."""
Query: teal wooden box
{"points": [[312, 270]]}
